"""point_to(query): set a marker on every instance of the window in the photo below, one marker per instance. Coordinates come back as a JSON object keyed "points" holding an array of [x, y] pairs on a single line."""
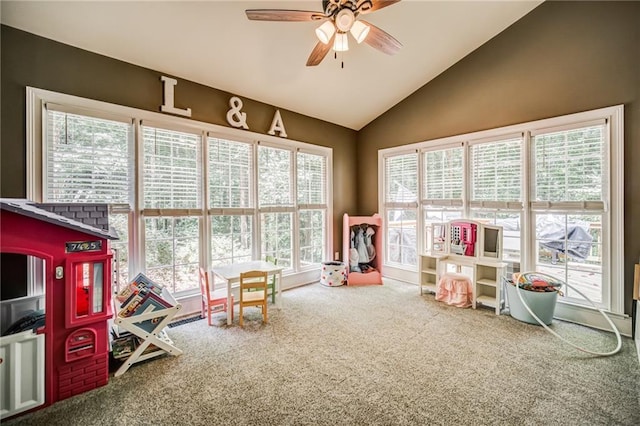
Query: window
{"points": [[88, 159], [401, 237], [496, 171], [569, 194], [496, 188], [172, 172], [171, 251], [443, 176], [554, 185], [312, 205], [312, 236], [275, 199], [400, 199], [230, 174], [231, 200], [172, 189], [231, 239], [442, 179], [569, 165], [199, 194]]}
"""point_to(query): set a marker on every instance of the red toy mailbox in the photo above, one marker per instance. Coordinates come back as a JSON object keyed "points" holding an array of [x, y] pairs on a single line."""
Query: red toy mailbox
{"points": [[80, 344]]}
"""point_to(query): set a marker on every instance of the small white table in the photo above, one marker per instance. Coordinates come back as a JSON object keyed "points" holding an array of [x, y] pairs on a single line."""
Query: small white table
{"points": [[231, 274]]}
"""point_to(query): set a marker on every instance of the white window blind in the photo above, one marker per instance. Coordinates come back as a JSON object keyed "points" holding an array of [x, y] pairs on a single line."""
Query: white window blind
{"points": [[443, 176], [312, 180], [311, 185], [88, 159], [569, 166], [401, 180], [274, 177], [172, 169], [230, 174], [496, 172]]}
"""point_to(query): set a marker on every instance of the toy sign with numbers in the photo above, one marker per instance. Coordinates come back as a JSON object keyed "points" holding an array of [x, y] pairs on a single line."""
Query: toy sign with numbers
{"points": [[79, 246]]}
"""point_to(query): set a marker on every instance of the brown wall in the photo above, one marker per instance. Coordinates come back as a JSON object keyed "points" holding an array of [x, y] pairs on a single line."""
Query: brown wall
{"points": [[29, 60], [561, 58]]}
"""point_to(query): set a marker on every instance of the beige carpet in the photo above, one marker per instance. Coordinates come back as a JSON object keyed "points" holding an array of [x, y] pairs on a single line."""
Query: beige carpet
{"points": [[376, 355]]}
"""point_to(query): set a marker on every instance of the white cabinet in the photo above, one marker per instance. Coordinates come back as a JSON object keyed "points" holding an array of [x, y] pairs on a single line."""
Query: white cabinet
{"points": [[485, 276], [21, 372], [487, 289], [429, 274]]}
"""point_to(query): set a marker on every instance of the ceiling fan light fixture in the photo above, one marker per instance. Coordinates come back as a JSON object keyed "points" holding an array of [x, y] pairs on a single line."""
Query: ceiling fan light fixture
{"points": [[325, 31], [341, 42], [344, 20], [359, 31]]}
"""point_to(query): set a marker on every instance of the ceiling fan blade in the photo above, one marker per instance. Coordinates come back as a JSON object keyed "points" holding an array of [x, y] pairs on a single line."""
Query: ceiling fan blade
{"points": [[375, 5], [319, 52], [284, 15], [381, 40]]}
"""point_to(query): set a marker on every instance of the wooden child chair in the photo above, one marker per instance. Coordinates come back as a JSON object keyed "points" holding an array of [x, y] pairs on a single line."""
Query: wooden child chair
{"points": [[272, 283], [212, 301], [253, 280]]}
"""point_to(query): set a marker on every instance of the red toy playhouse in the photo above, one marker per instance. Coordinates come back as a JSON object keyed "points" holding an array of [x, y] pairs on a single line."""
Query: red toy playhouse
{"points": [[64, 351]]}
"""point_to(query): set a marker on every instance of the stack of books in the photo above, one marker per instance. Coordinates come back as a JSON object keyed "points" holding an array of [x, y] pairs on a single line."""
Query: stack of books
{"points": [[140, 296]]}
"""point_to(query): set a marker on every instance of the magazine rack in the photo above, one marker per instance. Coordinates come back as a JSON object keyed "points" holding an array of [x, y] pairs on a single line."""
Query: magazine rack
{"points": [[146, 322]]}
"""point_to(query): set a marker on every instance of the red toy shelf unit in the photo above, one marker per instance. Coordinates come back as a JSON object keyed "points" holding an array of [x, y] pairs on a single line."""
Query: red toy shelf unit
{"points": [[372, 276]]}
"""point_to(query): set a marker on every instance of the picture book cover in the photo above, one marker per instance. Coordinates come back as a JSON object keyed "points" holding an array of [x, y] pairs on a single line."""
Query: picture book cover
{"points": [[150, 303], [141, 281], [123, 347]]}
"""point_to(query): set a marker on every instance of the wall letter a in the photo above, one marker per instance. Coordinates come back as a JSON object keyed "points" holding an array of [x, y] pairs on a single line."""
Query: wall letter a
{"points": [[277, 125]]}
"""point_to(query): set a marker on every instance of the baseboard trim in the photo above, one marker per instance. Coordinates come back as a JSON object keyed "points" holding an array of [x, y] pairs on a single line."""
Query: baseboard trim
{"points": [[593, 318]]}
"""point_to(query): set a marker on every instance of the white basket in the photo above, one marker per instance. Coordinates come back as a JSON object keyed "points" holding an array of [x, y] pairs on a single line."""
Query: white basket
{"points": [[333, 274]]}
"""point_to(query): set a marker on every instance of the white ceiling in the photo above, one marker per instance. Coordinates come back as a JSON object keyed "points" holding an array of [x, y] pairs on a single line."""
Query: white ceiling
{"points": [[213, 43]]}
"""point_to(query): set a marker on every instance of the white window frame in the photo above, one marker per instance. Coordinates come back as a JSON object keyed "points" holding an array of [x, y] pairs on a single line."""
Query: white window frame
{"points": [[35, 135], [300, 207], [614, 205], [397, 270]]}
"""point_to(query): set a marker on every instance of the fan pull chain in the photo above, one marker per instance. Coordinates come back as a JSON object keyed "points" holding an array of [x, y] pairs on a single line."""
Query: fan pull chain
{"points": [[335, 56]]}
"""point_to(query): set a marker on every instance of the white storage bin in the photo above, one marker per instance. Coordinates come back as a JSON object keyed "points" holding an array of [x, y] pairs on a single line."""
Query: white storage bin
{"points": [[333, 274]]}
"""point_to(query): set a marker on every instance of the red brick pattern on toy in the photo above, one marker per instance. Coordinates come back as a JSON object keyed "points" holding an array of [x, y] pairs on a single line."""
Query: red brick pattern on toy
{"points": [[77, 378]]}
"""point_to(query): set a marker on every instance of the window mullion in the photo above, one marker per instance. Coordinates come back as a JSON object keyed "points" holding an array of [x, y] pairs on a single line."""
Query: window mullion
{"points": [[205, 223]]}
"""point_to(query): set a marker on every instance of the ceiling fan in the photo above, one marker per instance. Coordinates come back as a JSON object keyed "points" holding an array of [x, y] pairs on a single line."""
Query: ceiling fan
{"points": [[339, 18]]}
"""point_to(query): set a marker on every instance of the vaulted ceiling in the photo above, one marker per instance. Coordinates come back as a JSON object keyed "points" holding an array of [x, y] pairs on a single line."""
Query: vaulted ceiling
{"points": [[213, 43]]}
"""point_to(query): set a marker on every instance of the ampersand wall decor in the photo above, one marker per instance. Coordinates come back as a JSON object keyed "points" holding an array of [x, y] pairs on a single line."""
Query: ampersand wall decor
{"points": [[235, 117]]}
